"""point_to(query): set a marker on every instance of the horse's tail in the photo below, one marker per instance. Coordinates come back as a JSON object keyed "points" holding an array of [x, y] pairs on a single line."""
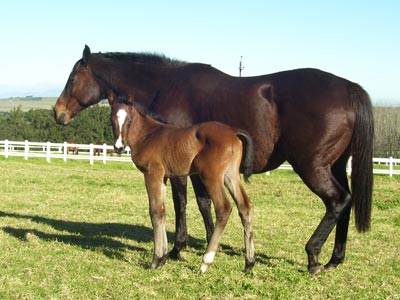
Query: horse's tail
{"points": [[248, 154], [361, 150]]}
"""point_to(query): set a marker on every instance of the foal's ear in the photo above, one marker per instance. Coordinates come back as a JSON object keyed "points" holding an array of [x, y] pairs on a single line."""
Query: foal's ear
{"points": [[86, 54], [130, 100], [111, 98]]}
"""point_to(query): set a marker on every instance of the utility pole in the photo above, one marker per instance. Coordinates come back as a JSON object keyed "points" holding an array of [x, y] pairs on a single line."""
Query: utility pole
{"points": [[241, 67]]}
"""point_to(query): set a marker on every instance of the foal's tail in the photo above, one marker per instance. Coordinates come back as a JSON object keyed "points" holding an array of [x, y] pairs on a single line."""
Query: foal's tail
{"points": [[361, 150], [248, 154]]}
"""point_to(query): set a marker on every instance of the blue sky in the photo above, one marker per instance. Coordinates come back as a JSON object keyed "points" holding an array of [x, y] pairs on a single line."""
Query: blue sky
{"points": [[358, 40]]}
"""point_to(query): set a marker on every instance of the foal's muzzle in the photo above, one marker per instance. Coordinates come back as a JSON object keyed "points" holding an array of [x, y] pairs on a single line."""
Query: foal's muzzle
{"points": [[119, 149]]}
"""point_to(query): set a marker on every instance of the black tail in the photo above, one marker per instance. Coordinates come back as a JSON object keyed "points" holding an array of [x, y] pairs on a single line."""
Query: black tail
{"points": [[361, 149], [248, 154]]}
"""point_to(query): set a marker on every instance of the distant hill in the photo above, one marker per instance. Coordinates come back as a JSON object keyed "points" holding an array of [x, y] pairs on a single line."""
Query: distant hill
{"points": [[26, 103]]}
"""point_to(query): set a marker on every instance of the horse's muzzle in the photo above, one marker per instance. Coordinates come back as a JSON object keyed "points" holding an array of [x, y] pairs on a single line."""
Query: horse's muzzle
{"points": [[61, 119]]}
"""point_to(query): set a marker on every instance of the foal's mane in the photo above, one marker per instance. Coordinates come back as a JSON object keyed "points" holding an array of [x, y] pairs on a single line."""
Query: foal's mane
{"points": [[143, 111]]}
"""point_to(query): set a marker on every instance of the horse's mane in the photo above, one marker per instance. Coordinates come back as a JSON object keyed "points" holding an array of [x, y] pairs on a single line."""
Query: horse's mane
{"points": [[142, 57]]}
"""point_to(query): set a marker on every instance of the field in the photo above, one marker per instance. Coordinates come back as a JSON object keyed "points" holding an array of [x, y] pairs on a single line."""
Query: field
{"points": [[26, 103], [75, 231]]}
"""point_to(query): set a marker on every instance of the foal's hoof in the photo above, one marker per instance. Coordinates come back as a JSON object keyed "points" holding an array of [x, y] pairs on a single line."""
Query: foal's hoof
{"points": [[316, 270], [204, 267], [157, 262], [249, 266]]}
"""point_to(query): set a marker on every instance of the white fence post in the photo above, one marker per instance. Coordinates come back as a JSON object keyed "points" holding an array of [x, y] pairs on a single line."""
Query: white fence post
{"points": [[26, 150], [391, 163], [48, 153], [104, 153], [65, 153], [91, 157], [6, 148]]}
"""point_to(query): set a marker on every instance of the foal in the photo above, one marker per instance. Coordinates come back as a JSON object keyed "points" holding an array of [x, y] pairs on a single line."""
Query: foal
{"points": [[213, 150]]}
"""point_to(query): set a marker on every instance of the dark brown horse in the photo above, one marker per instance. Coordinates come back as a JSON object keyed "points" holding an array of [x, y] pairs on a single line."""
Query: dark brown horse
{"points": [[310, 118], [212, 150]]}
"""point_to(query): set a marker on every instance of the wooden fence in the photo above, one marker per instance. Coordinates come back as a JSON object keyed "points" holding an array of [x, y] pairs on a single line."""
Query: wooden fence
{"points": [[104, 153]]}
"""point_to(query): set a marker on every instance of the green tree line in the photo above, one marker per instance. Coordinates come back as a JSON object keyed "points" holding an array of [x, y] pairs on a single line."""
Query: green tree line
{"points": [[93, 126]]}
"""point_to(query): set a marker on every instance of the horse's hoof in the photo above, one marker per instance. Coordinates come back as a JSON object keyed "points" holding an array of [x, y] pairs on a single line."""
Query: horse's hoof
{"points": [[316, 270], [331, 266], [175, 255]]}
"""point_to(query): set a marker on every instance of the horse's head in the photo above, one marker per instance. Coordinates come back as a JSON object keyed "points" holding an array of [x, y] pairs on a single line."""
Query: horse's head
{"points": [[121, 118], [82, 90]]}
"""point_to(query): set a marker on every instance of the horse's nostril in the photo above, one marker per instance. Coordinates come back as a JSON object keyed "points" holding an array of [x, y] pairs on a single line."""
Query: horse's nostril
{"points": [[60, 119]]}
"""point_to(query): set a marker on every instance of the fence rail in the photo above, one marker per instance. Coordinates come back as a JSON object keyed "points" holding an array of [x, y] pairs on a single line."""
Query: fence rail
{"points": [[104, 153]]}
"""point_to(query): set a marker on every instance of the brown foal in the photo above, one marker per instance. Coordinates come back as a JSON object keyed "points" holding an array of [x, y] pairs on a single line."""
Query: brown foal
{"points": [[213, 150]]}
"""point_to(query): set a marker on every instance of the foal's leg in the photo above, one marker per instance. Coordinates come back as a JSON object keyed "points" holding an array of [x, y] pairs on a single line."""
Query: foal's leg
{"points": [[245, 208], [337, 201], [204, 203], [179, 196], [156, 190], [339, 250], [223, 209]]}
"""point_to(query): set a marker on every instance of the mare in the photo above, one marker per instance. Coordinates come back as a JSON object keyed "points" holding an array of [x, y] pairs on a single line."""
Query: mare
{"points": [[310, 118], [72, 148], [212, 150]]}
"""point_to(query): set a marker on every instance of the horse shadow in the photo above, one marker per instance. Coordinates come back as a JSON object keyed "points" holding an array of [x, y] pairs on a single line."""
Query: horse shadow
{"points": [[91, 236], [103, 237]]}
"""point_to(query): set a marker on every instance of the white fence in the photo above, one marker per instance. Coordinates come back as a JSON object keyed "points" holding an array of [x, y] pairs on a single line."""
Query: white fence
{"points": [[63, 151], [105, 153]]}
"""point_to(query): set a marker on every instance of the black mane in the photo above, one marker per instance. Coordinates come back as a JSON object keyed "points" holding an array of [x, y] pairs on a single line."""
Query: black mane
{"points": [[144, 57]]}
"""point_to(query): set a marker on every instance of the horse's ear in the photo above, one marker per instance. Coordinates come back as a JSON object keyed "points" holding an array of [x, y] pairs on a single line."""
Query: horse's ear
{"points": [[86, 54]]}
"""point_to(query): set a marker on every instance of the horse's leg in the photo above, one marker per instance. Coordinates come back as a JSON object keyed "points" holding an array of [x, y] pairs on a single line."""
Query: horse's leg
{"points": [[339, 250], [179, 188], [204, 203], [337, 200], [223, 209], [156, 190], [245, 208]]}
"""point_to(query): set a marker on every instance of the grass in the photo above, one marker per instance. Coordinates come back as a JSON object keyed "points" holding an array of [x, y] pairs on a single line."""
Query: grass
{"points": [[75, 231]]}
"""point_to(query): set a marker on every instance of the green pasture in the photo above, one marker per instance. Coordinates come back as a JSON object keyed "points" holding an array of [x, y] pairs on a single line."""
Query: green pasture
{"points": [[26, 103], [75, 231]]}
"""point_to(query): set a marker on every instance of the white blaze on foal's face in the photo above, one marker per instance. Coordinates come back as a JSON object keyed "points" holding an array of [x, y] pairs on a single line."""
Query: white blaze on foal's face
{"points": [[121, 116]]}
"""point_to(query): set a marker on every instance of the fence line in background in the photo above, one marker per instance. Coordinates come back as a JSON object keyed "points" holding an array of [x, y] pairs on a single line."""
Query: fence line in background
{"points": [[106, 153]]}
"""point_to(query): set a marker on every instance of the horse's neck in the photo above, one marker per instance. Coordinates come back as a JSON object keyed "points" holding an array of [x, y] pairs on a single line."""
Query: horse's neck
{"points": [[141, 83], [141, 129]]}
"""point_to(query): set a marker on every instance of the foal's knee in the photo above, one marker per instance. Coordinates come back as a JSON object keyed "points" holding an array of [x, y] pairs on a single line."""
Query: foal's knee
{"points": [[223, 212]]}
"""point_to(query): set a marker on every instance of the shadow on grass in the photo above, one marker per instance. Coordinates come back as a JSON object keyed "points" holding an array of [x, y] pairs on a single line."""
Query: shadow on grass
{"points": [[101, 237], [92, 236]]}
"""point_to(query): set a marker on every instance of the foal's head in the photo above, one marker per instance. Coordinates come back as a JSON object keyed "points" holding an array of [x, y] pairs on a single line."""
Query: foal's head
{"points": [[121, 119]]}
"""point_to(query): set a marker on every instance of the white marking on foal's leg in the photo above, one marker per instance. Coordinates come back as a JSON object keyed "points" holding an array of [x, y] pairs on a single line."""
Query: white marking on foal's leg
{"points": [[208, 259]]}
